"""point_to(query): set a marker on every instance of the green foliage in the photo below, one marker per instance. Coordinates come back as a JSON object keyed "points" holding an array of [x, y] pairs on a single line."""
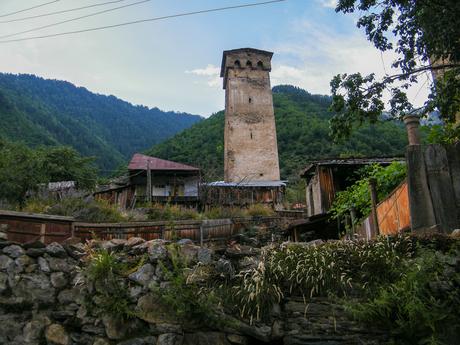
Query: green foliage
{"points": [[295, 192], [85, 210], [22, 169], [424, 36], [357, 196], [51, 113], [105, 271], [447, 135], [66, 164], [190, 302], [337, 268], [302, 123], [258, 290], [171, 212], [420, 308]]}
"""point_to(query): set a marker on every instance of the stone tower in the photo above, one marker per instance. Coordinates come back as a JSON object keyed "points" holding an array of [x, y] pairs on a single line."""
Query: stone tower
{"points": [[251, 150]]}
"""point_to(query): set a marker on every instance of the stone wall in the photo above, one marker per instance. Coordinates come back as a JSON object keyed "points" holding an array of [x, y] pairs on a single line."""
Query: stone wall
{"points": [[46, 299]]}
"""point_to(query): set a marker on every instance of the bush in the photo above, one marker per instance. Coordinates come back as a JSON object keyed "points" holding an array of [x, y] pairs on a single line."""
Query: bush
{"points": [[339, 268], [423, 307], [104, 270], [190, 302], [357, 196], [87, 210]]}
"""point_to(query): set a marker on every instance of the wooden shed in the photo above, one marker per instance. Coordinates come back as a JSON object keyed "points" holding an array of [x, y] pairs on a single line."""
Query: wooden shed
{"points": [[324, 178]]}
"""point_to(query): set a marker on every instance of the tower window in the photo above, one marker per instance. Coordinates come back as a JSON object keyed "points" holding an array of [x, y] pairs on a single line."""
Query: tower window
{"points": [[237, 63], [260, 64], [251, 135], [250, 100], [249, 64]]}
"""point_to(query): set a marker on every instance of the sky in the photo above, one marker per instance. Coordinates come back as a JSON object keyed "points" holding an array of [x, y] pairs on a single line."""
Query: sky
{"points": [[174, 64]]}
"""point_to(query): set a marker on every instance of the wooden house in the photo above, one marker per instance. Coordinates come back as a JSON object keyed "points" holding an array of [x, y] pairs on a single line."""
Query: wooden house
{"points": [[152, 179]]}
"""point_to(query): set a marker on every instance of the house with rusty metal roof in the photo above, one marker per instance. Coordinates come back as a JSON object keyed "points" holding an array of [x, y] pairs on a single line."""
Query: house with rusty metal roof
{"points": [[151, 179]]}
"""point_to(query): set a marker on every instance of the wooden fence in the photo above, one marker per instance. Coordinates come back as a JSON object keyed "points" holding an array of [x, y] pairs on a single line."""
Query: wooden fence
{"points": [[23, 227], [392, 213], [434, 186]]}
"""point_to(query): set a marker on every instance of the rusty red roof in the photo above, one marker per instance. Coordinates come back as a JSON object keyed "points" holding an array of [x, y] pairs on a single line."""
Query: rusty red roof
{"points": [[141, 162]]}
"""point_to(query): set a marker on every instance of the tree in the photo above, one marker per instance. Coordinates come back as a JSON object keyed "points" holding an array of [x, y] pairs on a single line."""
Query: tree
{"points": [[66, 164], [19, 171], [425, 34], [22, 169]]}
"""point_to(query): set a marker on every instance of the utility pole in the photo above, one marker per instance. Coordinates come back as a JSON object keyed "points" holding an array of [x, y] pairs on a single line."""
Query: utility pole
{"points": [[149, 183]]}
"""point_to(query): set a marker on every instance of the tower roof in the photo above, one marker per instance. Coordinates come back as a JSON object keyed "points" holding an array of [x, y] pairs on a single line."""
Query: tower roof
{"points": [[241, 50]]}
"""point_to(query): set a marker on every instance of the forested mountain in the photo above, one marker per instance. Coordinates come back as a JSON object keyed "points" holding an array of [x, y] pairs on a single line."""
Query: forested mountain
{"points": [[51, 112], [303, 135]]}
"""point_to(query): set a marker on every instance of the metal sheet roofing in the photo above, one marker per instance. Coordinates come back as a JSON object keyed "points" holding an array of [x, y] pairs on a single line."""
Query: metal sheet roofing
{"points": [[142, 162], [248, 184], [349, 161]]}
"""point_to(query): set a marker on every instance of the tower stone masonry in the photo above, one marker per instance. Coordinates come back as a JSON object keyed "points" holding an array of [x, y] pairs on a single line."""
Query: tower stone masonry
{"points": [[251, 149]]}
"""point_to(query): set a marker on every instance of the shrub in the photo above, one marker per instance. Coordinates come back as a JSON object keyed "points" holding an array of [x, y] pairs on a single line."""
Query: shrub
{"points": [[259, 210], [97, 211], [338, 268], [107, 273], [357, 196], [190, 302], [423, 307]]}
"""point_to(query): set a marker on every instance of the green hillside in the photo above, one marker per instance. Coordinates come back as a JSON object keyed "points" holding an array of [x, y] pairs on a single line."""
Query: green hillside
{"points": [[302, 122], [51, 112]]}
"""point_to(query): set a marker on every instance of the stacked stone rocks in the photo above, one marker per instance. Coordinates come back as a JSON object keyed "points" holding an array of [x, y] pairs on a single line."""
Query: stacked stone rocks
{"points": [[44, 300]]}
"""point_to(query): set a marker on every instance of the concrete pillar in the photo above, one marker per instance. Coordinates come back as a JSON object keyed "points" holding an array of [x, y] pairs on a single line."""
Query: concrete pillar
{"points": [[412, 123]]}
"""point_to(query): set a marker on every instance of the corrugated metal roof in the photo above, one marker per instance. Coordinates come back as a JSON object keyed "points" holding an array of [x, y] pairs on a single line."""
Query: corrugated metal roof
{"points": [[349, 161], [248, 184], [141, 162]]}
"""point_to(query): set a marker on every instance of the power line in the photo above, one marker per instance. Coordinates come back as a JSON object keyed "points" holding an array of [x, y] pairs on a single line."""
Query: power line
{"points": [[28, 9], [143, 21], [74, 19], [59, 12]]}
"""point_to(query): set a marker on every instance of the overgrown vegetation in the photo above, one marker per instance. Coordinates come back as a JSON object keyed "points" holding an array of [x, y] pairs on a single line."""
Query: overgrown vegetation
{"points": [[22, 169], [88, 210], [175, 212], [406, 285], [190, 302], [340, 268], [357, 196], [106, 273], [422, 307]]}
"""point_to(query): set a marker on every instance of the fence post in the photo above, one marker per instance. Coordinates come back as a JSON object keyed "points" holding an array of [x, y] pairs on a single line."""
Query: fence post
{"points": [[201, 233], [440, 183], [374, 201], [453, 156], [420, 203]]}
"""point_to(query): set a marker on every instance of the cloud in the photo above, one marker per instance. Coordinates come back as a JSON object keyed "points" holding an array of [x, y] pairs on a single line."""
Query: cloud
{"points": [[329, 3], [323, 52], [210, 72]]}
